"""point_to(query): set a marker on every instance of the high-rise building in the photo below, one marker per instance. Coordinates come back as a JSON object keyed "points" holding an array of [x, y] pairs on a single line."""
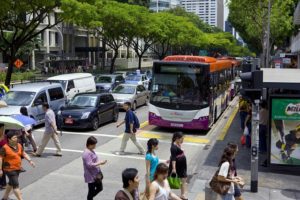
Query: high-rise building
{"points": [[210, 11], [160, 5]]}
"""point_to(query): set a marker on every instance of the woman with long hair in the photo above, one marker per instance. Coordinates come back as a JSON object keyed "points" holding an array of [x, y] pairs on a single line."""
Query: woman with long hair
{"points": [[159, 188], [226, 172], [178, 163], [237, 187], [152, 161]]}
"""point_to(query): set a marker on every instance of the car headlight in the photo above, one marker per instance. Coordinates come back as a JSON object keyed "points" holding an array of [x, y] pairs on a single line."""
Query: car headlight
{"points": [[85, 115]]}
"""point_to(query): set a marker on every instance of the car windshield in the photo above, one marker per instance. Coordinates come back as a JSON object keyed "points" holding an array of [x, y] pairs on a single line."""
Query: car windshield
{"points": [[84, 101], [180, 87], [18, 98], [103, 79], [63, 83], [124, 89], [133, 78]]}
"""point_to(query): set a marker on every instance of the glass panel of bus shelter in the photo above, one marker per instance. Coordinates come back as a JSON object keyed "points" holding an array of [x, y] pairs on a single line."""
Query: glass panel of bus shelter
{"points": [[180, 86]]}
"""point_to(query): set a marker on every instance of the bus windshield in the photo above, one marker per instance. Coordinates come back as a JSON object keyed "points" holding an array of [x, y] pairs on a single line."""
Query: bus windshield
{"points": [[180, 87]]}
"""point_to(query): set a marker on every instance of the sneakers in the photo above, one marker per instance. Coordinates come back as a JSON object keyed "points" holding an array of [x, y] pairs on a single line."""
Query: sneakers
{"points": [[35, 154], [120, 153]]}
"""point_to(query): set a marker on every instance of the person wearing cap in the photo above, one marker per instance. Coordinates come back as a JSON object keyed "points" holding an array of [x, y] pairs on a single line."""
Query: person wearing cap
{"points": [[10, 162]]}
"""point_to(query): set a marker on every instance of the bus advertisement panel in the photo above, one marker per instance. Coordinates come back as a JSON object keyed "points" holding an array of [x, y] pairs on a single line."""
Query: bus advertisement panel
{"points": [[285, 131]]}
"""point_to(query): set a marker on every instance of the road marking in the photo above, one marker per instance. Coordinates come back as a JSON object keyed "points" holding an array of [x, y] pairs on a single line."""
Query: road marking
{"points": [[228, 124], [188, 139], [104, 154], [142, 125], [140, 136]]}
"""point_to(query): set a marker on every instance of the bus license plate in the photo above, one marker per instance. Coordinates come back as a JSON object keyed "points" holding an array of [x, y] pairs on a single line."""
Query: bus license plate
{"points": [[177, 125]]}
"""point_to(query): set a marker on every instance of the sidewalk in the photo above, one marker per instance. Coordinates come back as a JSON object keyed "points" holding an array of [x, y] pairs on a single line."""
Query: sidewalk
{"points": [[272, 185]]}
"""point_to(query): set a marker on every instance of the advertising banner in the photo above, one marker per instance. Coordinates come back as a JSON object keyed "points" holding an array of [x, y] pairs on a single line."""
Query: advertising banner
{"points": [[285, 131]]}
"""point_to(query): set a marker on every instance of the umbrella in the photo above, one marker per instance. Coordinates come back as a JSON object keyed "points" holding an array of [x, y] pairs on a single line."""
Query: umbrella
{"points": [[10, 123], [2, 104], [25, 120]]}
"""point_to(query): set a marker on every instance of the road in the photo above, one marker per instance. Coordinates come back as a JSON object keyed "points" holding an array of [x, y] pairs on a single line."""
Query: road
{"points": [[58, 178]]}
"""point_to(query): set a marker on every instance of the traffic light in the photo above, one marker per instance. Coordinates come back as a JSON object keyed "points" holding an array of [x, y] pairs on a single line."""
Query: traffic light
{"points": [[252, 83]]}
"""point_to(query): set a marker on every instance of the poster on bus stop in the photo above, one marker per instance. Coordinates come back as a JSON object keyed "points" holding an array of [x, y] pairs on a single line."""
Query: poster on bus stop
{"points": [[285, 131]]}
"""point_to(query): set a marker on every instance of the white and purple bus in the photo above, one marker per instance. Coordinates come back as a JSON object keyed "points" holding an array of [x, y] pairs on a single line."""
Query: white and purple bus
{"points": [[190, 92]]}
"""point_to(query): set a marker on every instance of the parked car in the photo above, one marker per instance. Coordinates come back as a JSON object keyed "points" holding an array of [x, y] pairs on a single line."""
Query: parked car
{"points": [[137, 95], [32, 96], [107, 82], [75, 83], [89, 110], [138, 80]]}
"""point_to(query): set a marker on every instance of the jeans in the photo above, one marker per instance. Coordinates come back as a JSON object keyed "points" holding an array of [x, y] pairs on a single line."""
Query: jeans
{"points": [[94, 189], [228, 197], [131, 136], [243, 115], [262, 138]]}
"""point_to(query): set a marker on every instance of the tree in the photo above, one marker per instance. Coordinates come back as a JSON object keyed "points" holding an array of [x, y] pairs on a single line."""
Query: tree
{"points": [[22, 18], [249, 18]]}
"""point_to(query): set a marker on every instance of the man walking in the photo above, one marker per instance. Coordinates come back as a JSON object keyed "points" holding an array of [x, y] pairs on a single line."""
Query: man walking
{"points": [[50, 132], [130, 130]]}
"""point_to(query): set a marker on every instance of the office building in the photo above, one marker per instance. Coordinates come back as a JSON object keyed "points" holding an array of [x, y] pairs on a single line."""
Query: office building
{"points": [[210, 11]]}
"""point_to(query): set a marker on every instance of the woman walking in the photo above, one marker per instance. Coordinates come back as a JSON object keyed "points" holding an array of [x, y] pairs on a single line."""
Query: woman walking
{"points": [[237, 187], [178, 163], [151, 162], [91, 165], [10, 163], [226, 174], [159, 188]]}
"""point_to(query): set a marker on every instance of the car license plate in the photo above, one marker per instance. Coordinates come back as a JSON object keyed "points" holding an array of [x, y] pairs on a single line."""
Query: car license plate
{"points": [[69, 121], [177, 125]]}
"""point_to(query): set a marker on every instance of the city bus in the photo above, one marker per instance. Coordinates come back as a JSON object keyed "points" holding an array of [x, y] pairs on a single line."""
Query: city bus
{"points": [[189, 92]]}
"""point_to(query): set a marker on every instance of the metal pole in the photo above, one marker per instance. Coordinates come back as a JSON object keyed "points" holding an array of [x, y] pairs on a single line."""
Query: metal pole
{"points": [[254, 146], [268, 36], [157, 6]]}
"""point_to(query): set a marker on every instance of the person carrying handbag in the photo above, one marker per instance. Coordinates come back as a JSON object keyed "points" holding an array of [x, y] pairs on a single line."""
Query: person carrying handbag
{"points": [[223, 181], [91, 165]]}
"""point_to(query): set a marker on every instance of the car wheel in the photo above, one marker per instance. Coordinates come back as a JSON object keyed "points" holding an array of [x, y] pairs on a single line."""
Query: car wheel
{"points": [[134, 106], [115, 117], [95, 123]]}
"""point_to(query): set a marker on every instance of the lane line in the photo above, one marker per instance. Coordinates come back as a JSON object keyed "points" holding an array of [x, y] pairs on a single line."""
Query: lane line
{"points": [[140, 137], [103, 154], [228, 124]]}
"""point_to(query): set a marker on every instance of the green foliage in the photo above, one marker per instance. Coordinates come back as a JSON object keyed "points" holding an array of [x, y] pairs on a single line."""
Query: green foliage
{"points": [[18, 76]]}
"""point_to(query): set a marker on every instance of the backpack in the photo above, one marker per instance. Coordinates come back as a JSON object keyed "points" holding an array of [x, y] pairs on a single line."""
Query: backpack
{"points": [[136, 121]]}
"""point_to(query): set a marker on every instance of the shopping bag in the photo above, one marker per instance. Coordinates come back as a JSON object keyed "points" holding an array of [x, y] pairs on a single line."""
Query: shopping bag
{"points": [[243, 140], [246, 131], [174, 182]]}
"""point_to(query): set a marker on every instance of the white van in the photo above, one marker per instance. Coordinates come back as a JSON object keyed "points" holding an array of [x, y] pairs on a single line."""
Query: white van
{"points": [[75, 83]]}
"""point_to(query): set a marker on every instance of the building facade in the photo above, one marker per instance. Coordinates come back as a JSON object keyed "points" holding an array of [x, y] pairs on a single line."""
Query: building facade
{"points": [[210, 11], [161, 5]]}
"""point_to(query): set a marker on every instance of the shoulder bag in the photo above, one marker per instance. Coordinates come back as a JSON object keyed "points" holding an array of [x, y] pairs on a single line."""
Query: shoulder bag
{"points": [[219, 187]]}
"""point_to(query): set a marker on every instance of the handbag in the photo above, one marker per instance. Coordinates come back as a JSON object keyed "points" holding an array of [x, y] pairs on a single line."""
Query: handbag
{"points": [[174, 182], [99, 177], [243, 140], [219, 187]]}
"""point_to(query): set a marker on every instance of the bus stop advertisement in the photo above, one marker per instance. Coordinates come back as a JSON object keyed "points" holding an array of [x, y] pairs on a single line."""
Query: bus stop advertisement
{"points": [[284, 129]]}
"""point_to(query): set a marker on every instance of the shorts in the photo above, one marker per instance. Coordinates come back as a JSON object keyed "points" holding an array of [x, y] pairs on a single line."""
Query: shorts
{"points": [[237, 191], [13, 178]]}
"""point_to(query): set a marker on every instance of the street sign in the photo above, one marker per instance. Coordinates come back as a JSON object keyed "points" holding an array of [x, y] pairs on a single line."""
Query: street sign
{"points": [[286, 60], [18, 63]]}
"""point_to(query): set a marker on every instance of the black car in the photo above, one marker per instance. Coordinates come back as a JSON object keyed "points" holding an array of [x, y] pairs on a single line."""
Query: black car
{"points": [[89, 110]]}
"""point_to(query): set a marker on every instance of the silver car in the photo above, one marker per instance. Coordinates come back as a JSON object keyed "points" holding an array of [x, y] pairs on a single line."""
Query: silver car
{"points": [[32, 96], [137, 95]]}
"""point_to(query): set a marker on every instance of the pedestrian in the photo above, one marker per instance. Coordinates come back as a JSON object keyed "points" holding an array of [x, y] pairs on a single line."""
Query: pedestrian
{"points": [[50, 132], [3, 141], [152, 161], [263, 123], [130, 130], [178, 163], [131, 181], [237, 187], [160, 188], [28, 130], [243, 111], [248, 124], [91, 164], [10, 162], [226, 172]]}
